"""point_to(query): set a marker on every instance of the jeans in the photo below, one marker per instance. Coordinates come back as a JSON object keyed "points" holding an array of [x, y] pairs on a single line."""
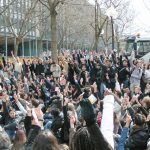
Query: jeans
{"points": [[11, 134], [48, 125], [123, 138], [102, 89], [125, 83], [16, 74]]}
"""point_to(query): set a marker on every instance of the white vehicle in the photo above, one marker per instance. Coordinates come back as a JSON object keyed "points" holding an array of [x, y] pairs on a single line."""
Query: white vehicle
{"points": [[140, 45], [146, 58]]}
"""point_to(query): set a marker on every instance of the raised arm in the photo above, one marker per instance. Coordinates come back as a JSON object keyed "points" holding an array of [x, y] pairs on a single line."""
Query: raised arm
{"points": [[101, 63], [5, 109], [12, 54], [131, 59], [127, 60], [107, 124], [96, 135], [12, 126], [120, 61], [124, 134], [21, 108], [4, 62]]}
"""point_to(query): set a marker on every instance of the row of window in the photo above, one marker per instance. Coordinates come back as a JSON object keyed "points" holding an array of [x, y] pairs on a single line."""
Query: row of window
{"points": [[16, 3], [6, 30]]}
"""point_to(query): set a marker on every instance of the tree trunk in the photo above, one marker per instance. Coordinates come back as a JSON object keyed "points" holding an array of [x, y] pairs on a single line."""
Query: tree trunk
{"points": [[40, 47], [54, 37], [96, 43], [16, 46]]}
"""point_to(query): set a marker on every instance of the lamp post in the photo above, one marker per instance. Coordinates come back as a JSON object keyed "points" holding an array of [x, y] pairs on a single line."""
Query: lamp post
{"points": [[96, 25], [112, 14]]}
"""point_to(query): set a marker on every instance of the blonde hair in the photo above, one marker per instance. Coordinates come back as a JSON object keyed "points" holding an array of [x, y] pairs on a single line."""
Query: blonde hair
{"points": [[146, 100], [64, 147]]}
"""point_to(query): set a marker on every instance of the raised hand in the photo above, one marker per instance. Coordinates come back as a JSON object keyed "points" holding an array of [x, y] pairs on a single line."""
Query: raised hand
{"points": [[128, 120], [72, 121]]}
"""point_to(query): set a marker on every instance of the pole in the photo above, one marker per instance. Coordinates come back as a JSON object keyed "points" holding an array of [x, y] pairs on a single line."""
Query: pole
{"points": [[112, 26], [47, 45], [30, 48], [22, 47], [36, 47], [96, 24], [6, 42]]}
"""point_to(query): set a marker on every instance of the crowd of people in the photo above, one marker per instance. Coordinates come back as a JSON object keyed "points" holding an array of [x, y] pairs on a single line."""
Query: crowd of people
{"points": [[83, 101]]}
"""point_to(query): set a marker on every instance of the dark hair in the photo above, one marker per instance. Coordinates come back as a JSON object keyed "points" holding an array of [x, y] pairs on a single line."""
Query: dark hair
{"points": [[148, 66], [45, 141], [55, 112], [139, 119], [20, 139], [87, 91], [11, 109], [82, 140], [35, 103]]}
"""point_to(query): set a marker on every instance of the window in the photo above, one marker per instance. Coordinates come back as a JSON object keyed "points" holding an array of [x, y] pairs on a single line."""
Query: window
{"points": [[143, 46], [1, 3]]}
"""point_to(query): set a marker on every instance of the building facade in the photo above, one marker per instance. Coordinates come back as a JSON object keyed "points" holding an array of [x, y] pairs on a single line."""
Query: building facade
{"points": [[20, 23]]}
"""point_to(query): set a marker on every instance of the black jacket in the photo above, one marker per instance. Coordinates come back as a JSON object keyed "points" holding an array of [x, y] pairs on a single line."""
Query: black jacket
{"points": [[123, 73], [138, 138], [10, 123], [40, 69], [34, 68]]}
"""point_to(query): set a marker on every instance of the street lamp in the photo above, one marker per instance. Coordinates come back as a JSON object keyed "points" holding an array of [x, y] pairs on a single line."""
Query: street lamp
{"points": [[112, 13]]}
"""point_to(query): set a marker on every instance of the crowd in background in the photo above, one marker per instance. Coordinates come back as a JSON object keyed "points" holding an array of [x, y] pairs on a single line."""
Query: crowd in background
{"points": [[83, 101]]}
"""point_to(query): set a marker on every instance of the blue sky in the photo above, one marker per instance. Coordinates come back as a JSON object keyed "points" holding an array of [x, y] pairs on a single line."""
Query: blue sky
{"points": [[141, 23]]}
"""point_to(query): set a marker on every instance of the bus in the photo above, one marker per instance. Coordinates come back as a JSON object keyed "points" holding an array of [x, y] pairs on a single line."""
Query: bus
{"points": [[140, 45]]}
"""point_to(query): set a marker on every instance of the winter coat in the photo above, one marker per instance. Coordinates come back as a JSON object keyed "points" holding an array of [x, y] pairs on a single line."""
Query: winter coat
{"points": [[136, 76], [10, 123], [40, 68], [56, 71], [138, 138], [34, 68], [123, 74]]}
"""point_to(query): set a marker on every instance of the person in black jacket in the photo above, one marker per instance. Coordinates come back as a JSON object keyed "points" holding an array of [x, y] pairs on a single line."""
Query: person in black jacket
{"points": [[40, 67], [82, 78], [26, 68], [139, 134], [108, 75], [56, 123], [89, 137], [124, 72], [11, 120], [48, 67], [34, 67]]}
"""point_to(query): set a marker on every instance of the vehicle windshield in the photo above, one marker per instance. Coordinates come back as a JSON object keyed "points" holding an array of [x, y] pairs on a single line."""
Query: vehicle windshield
{"points": [[130, 46], [143, 47]]}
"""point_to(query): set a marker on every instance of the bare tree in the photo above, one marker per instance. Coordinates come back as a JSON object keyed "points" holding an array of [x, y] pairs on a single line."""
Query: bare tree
{"points": [[122, 22], [5, 6], [74, 19], [21, 20], [52, 5], [43, 28]]}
